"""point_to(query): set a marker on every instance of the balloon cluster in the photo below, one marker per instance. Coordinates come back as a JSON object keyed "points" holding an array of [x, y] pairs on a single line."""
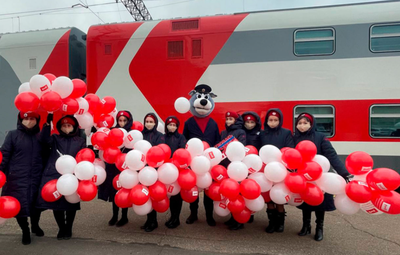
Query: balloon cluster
{"points": [[9, 206], [79, 178]]}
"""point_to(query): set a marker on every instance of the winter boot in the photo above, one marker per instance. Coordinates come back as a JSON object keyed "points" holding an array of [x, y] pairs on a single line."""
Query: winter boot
{"points": [[114, 218], [24, 225], [35, 217], [59, 216], [319, 232], [272, 220], [124, 218], [280, 222], [70, 217], [306, 229]]}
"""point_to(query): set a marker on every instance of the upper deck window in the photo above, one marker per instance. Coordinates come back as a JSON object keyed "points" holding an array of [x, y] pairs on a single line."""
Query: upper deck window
{"points": [[314, 42], [385, 38]]}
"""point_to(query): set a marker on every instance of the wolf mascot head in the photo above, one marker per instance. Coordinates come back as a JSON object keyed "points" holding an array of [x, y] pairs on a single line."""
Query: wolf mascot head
{"points": [[201, 101]]}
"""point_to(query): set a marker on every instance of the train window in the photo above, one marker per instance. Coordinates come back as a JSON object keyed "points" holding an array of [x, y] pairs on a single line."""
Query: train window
{"points": [[196, 48], [324, 117], [32, 63], [385, 38], [384, 121], [175, 49], [312, 42]]}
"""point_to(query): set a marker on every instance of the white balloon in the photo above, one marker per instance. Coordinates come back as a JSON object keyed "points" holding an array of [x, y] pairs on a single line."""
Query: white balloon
{"points": [[345, 205], [143, 146], [148, 176], [83, 106], [143, 209], [182, 105], [114, 113], [195, 147], [65, 164], [173, 189], [135, 160], [295, 199], [24, 87], [323, 162], [280, 194], [214, 155], [264, 183], [253, 163], [124, 131], [128, 179], [200, 165], [100, 175], [161, 127], [73, 199], [270, 153], [67, 184], [237, 170], [204, 181], [85, 120], [99, 162], [370, 208], [88, 133], [132, 137], [39, 84], [221, 208], [235, 151], [255, 205], [63, 86], [275, 171], [332, 183], [84, 170], [168, 173], [360, 177]]}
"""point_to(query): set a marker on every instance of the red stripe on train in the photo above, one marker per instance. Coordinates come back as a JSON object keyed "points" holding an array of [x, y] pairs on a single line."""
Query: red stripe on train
{"points": [[58, 61]]}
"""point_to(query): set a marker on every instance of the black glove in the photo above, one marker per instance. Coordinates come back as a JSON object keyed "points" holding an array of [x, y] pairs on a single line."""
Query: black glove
{"points": [[49, 118], [93, 130]]}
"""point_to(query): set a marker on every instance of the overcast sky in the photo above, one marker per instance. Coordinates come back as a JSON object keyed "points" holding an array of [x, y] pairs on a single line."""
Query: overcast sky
{"points": [[24, 15]]}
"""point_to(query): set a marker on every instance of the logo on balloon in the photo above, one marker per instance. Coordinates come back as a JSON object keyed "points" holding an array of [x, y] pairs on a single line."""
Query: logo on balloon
{"points": [[170, 189], [211, 154], [65, 107], [56, 194], [222, 205], [130, 138], [385, 207], [381, 186], [81, 111], [119, 184], [145, 191], [44, 88], [105, 123], [307, 176], [94, 178], [366, 169], [220, 177], [287, 198], [195, 193]]}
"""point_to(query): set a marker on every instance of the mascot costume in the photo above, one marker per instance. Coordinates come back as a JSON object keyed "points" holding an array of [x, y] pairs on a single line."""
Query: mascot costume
{"points": [[201, 126]]}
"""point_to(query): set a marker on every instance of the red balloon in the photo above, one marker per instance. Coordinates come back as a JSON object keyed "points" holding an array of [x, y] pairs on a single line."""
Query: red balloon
{"points": [[243, 216], [9, 207], [79, 88], [213, 192], [383, 179], [116, 183], [292, 158], [160, 206], [250, 149], [49, 191], [187, 179], [137, 125], [1, 157], [105, 121], [250, 189], [206, 145], [190, 195], [51, 77], [120, 162], [181, 158], [295, 182], [311, 171], [237, 205], [219, 173], [313, 195], [87, 190], [230, 188], [167, 151], [69, 106], [95, 104], [359, 162], [122, 198], [388, 202], [109, 104], [307, 149], [99, 140], [139, 195], [284, 149], [2, 179], [266, 197], [155, 156], [27, 102], [110, 154], [358, 191], [158, 191], [115, 137], [85, 155], [51, 101]]}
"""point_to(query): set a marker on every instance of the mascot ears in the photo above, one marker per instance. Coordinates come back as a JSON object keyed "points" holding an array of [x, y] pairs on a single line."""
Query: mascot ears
{"points": [[202, 89]]}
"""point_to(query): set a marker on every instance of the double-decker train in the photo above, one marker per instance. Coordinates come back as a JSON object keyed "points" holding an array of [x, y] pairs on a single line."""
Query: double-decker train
{"points": [[339, 63]]}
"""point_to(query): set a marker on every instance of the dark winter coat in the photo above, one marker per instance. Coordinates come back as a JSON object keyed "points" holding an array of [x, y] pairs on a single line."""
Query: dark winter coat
{"points": [[235, 130], [174, 140], [22, 164], [324, 147], [279, 136], [152, 136], [106, 190], [253, 136], [211, 133], [62, 144]]}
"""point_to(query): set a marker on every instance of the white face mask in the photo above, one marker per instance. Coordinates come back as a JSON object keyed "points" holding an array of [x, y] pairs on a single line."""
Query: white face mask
{"points": [[303, 125], [29, 122], [249, 124], [229, 121], [273, 121], [149, 123], [171, 127], [67, 128]]}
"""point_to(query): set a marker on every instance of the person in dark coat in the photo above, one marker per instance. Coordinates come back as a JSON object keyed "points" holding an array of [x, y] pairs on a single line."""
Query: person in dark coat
{"points": [[306, 130], [175, 141], [280, 137], [22, 165], [154, 137], [68, 142], [252, 127], [106, 190]]}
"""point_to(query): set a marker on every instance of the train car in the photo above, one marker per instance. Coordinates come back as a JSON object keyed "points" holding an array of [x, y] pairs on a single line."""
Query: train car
{"points": [[61, 52]]}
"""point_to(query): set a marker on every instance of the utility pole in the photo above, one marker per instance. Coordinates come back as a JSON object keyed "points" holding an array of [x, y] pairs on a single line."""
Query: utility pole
{"points": [[137, 9]]}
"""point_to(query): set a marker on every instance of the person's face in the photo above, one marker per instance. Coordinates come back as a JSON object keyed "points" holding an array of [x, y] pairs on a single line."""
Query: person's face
{"points": [[149, 123], [29, 122], [67, 128], [273, 121], [171, 127], [303, 125], [229, 121], [122, 121], [249, 124]]}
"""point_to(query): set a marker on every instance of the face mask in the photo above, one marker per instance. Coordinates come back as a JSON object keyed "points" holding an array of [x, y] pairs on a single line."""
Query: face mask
{"points": [[249, 125], [67, 128], [229, 121], [303, 127], [171, 128], [273, 122], [29, 122], [149, 125]]}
